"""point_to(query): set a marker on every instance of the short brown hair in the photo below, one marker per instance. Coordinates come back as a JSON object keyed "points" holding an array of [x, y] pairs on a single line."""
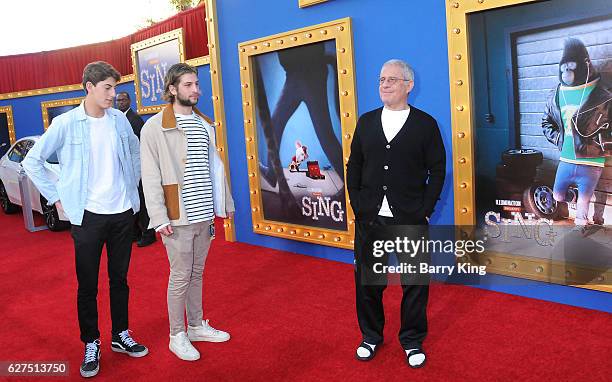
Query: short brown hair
{"points": [[173, 77], [98, 71]]}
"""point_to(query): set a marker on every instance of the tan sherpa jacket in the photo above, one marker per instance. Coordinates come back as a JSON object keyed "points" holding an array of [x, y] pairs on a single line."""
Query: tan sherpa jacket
{"points": [[163, 154]]}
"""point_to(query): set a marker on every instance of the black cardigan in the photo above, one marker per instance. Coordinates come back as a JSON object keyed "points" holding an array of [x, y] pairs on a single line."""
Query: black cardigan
{"points": [[410, 169]]}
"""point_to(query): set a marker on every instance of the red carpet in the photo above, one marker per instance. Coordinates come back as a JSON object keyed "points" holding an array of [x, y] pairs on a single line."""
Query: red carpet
{"points": [[291, 318]]}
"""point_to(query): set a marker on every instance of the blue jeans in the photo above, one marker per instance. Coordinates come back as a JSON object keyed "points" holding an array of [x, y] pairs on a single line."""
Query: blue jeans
{"points": [[585, 178]]}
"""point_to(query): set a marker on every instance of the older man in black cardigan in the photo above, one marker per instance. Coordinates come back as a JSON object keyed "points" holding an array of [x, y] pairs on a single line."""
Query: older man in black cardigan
{"points": [[395, 175]]}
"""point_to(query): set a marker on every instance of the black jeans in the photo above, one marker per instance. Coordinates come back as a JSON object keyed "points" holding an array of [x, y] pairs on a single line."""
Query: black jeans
{"points": [[116, 232], [369, 295]]}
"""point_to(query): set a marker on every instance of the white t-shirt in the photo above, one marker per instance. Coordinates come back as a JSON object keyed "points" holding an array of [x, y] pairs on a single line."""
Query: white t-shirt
{"points": [[106, 190], [392, 122]]}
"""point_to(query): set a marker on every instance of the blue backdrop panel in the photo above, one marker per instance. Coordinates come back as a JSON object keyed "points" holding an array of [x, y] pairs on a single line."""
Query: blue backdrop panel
{"points": [[382, 29], [376, 39]]}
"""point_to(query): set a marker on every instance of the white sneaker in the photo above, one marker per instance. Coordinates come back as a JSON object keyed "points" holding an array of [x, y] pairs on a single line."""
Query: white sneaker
{"points": [[206, 333], [182, 348]]}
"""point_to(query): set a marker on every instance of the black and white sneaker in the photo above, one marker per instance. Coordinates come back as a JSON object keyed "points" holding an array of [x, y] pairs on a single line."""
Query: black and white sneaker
{"points": [[123, 343], [91, 361]]}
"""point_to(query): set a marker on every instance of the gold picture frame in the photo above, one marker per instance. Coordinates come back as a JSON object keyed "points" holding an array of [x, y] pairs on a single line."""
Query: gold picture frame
{"points": [[462, 101], [308, 3], [339, 31], [8, 110], [160, 52], [214, 59], [48, 106]]}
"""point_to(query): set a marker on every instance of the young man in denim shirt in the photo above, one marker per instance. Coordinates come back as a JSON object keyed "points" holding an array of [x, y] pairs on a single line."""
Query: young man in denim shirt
{"points": [[99, 158]]}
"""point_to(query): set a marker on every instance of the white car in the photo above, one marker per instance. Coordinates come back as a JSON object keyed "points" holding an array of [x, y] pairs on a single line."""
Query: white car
{"points": [[10, 197]]}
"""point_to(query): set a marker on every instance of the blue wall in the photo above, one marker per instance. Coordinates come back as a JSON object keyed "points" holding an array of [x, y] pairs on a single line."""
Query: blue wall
{"points": [[372, 21], [382, 29]]}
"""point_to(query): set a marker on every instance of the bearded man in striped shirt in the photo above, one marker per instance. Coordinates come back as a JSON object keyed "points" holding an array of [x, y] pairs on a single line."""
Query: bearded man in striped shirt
{"points": [[185, 187]]}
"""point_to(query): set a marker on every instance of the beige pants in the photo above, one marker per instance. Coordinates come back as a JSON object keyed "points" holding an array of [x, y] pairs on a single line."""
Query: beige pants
{"points": [[187, 250]]}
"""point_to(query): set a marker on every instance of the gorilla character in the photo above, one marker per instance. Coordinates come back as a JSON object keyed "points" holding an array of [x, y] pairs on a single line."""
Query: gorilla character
{"points": [[577, 121], [575, 67]]}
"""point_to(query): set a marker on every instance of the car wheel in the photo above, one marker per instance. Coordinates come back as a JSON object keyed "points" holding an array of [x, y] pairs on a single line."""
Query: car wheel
{"points": [[523, 159], [539, 201], [5, 203], [51, 216]]}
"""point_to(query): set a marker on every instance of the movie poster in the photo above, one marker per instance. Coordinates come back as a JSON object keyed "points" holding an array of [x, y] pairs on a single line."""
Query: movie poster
{"points": [[52, 109], [151, 59], [543, 141], [301, 168], [55, 111]]}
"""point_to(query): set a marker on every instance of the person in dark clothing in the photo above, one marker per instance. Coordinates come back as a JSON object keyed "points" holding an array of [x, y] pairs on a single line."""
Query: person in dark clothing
{"points": [[142, 235], [395, 175], [123, 102]]}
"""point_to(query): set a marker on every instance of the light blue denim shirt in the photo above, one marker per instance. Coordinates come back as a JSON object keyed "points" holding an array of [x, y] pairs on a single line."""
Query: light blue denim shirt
{"points": [[68, 135]]}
